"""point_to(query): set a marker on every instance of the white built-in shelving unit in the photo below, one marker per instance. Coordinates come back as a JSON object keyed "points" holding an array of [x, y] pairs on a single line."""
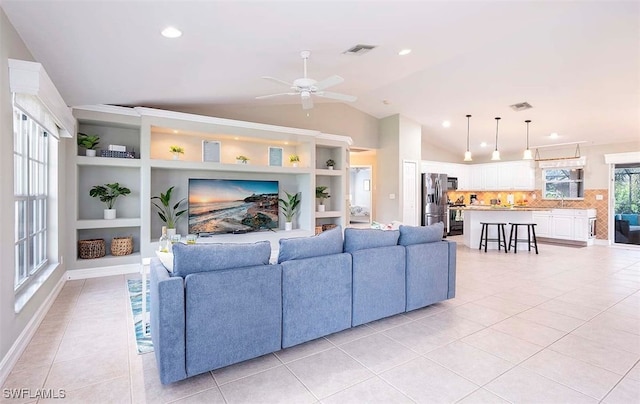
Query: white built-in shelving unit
{"points": [[150, 132]]}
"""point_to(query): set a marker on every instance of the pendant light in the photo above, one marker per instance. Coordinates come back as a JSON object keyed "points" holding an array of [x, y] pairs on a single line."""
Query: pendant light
{"points": [[467, 154], [496, 154], [527, 153]]}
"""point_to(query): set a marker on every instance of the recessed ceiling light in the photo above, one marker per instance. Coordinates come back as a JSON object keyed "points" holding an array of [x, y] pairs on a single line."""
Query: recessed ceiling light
{"points": [[483, 144], [404, 52], [446, 124], [171, 32], [554, 135], [386, 102], [175, 131]]}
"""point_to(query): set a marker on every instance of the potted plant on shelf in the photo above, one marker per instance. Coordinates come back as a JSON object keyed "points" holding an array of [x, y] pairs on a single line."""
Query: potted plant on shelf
{"points": [[322, 194], [108, 193], [294, 159], [242, 159], [89, 142], [330, 164], [168, 214], [176, 151], [289, 208]]}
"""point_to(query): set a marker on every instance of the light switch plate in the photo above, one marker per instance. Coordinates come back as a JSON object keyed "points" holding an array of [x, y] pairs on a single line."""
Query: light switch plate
{"points": [[599, 197]]}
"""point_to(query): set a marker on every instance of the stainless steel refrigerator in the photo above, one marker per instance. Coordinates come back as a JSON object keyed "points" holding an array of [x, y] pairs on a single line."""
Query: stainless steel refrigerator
{"points": [[434, 199]]}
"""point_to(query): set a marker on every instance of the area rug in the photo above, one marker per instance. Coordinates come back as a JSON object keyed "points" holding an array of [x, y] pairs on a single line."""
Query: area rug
{"points": [[135, 296]]}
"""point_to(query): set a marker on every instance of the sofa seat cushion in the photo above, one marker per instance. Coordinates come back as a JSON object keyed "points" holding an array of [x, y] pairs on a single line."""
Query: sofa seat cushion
{"points": [[326, 243], [361, 239], [410, 235], [194, 258]]}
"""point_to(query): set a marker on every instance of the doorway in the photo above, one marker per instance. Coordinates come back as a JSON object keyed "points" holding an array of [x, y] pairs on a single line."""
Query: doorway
{"points": [[626, 203], [360, 196]]}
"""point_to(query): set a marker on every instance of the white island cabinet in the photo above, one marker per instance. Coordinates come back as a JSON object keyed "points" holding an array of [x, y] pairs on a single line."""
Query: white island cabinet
{"points": [[567, 224], [473, 216]]}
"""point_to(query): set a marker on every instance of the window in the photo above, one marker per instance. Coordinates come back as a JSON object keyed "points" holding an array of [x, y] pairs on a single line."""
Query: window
{"points": [[563, 183], [31, 189]]}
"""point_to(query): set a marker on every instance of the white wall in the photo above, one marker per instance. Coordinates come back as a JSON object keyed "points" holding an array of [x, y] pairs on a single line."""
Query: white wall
{"points": [[12, 324]]}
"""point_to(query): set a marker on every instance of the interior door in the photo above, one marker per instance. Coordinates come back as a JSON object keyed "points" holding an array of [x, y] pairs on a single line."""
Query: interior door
{"points": [[410, 186]]}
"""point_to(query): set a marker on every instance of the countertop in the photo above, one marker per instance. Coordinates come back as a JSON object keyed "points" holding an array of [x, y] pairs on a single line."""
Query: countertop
{"points": [[500, 208]]}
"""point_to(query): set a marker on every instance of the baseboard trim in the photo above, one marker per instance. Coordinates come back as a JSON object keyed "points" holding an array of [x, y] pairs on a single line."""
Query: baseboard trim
{"points": [[21, 343], [74, 274]]}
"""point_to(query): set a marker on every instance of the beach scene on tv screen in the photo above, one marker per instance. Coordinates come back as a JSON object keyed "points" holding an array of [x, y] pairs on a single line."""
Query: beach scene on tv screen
{"points": [[232, 206]]}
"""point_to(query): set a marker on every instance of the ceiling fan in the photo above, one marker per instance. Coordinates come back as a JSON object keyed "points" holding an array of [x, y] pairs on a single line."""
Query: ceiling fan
{"points": [[305, 87]]}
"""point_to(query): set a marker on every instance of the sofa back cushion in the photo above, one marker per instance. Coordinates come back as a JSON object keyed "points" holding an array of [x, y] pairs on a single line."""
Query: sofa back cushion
{"points": [[421, 234], [190, 259], [360, 239], [326, 243], [632, 218]]}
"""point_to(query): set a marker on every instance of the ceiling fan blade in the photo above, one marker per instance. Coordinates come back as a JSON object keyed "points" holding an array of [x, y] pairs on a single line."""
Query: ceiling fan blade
{"points": [[307, 103], [336, 96], [277, 81], [329, 82], [262, 97]]}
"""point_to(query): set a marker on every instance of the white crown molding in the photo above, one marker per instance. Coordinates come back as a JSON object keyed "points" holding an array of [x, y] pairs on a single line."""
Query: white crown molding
{"points": [[338, 138], [31, 78], [622, 158], [109, 109]]}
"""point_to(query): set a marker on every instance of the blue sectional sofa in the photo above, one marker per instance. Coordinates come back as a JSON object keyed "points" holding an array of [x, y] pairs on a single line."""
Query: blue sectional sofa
{"points": [[224, 303]]}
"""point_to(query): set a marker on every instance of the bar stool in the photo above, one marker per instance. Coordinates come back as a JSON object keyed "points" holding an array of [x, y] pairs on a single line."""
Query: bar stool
{"points": [[514, 240], [484, 236]]}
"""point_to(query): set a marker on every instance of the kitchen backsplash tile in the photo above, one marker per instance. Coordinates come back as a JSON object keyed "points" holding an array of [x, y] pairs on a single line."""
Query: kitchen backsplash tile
{"points": [[534, 199]]}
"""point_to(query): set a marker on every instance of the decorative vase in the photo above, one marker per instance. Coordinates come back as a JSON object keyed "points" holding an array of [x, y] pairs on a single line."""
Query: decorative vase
{"points": [[330, 168], [171, 232], [90, 153], [176, 156], [288, 226], [109, 214], [321, 208], [294, 164]]}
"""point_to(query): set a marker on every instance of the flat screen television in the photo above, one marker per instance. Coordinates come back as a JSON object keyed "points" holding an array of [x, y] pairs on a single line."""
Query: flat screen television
{"points": [[232, 206]]}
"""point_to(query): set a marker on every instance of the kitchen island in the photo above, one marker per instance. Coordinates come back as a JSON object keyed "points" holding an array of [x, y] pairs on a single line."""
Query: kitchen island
{"points": [[473, 215]]}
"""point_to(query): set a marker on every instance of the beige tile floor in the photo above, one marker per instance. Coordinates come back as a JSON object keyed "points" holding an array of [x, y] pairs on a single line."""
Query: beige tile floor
{"points": [[559, 327]]}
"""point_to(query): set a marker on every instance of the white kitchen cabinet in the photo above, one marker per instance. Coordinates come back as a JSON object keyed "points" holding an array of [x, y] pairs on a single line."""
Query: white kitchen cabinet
{"points": [[565, 224], [505, 176], [490, 176], [543, 224]]}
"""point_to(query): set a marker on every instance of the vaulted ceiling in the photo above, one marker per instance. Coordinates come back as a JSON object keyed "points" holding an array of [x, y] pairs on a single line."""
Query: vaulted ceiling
{"points": [[576, 62]]}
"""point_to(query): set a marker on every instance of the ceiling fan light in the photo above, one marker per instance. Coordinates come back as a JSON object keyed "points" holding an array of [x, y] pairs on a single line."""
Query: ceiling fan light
{"points": [[527, 155], [495, 155], [467, 156]]}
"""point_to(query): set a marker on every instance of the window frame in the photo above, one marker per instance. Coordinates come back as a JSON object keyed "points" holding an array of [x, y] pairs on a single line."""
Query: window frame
{"points": [[31, 149], [579, 183]]}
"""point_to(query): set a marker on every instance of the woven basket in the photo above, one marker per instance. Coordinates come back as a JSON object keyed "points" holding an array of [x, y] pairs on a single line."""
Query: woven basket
{"points": [[93, 248], [318, 230], [328, 226], [122, 245]]}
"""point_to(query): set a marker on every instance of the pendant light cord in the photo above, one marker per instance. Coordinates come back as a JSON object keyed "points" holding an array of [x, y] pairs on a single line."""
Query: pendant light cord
{"points": [[527, 122], [497, 121], [468, 116]]}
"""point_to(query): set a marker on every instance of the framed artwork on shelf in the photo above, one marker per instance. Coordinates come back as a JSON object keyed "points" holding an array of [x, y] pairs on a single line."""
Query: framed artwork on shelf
{"points": [[275, 156], [211, 151]]}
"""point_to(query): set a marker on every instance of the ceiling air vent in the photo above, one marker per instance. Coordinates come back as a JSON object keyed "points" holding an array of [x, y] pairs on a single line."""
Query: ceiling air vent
{"points": [[521, 106], [358, 50]]}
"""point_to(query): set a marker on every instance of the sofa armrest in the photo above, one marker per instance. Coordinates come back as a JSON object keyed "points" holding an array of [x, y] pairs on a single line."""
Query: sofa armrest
{"points": [[167, 323]]}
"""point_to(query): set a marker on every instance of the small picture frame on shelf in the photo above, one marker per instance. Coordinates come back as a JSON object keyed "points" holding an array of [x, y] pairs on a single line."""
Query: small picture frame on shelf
{"points": [[211, 151], [275, 156]]}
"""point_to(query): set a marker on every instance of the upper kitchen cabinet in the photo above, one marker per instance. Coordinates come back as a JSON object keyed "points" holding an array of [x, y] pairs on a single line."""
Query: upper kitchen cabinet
{"points": [[506, 176]]}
